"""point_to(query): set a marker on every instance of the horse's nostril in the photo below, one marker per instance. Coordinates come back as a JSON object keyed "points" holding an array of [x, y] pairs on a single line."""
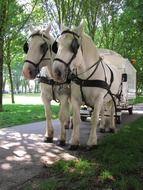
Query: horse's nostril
{"points": [[58, 73], [30, 72]]}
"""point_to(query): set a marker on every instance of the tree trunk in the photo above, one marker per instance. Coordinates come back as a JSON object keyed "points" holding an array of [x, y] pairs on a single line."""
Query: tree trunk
{"points": [[9, 71], [3, 5], [1, 72], [11, 83]]}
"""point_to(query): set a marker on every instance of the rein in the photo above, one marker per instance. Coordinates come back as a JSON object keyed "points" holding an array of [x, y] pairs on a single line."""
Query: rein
{"points": [[95, 83], [96, 64]]}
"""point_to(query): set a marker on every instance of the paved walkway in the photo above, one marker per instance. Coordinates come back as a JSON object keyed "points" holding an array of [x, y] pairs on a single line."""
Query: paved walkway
{"points": [[22, 150]]}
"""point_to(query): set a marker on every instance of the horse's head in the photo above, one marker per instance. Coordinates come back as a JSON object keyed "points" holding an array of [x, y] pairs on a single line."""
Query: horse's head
{"points": [[38, 52], [68, 53]]}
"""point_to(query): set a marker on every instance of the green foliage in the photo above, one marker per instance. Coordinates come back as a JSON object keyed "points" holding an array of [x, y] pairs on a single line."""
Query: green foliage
{"points": [[75, 168], [46, 184], [50, 184]]}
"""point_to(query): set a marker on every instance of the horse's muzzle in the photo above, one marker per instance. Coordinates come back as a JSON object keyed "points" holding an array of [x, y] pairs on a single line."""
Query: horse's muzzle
{"points": [[30, 73]]}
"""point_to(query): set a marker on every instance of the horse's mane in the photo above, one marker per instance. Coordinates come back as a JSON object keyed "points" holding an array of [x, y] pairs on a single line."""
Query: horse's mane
{"points": [[87, 39], [43, 32], [88, 46]]}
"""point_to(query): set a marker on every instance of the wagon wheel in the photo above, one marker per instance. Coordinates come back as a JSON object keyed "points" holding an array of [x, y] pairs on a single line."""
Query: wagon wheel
{"points": [[130, 110], [83, 118], [118, 119]]}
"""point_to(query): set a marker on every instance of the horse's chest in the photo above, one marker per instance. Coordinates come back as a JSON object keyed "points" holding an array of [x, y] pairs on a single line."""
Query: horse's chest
{"points": [[90, 94], [60, 90]]}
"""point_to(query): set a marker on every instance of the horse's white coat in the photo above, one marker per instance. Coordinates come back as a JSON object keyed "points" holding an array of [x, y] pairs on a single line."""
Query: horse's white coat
{"points": [[86, 56], [61, 91]]}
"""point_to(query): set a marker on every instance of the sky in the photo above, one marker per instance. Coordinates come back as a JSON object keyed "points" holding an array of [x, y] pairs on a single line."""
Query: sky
{"points": [[27, 4]]}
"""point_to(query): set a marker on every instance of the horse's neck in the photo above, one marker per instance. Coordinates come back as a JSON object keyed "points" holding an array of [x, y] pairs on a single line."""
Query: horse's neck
{"points": [[90, 52], [49, 66], [89, 56], [51, 55], [49, 69]]}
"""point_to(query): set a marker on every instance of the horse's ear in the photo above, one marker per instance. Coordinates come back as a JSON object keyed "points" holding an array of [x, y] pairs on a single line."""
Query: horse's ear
{"points": [[48, 28], [79, 29], [32, 29]]}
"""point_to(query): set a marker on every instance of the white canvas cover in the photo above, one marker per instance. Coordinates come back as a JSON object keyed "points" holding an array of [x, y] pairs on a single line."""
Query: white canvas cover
{"points": [[124, 66], [131, 80]]}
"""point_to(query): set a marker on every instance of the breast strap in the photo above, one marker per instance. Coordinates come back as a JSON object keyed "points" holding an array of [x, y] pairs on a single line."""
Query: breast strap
{"points": [[89, 83], [94, 83]]}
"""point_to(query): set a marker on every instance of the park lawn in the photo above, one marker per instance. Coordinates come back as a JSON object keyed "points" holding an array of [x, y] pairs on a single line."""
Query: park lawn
{"points": [[116, 164], [17, 114], [139, 99]]}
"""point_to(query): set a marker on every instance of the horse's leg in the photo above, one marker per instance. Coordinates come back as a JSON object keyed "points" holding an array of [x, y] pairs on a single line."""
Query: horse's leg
{"points": [[107, 115], [92, 140], [74, 142], [112, 119], [48, 114], [102, 120], [64, 116], [68, 123]]}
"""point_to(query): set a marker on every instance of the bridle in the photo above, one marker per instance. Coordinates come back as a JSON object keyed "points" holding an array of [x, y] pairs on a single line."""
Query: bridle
{"points": [[73, 49], [87, 82], [37, 65]]}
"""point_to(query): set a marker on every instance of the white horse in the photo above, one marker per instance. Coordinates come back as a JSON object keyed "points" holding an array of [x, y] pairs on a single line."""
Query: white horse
{"points": [[93, 81], [40, 56]]}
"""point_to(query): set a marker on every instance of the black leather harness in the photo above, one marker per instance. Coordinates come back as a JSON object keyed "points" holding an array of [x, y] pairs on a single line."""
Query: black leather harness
{"points": [[46, 80], [94, 83]]}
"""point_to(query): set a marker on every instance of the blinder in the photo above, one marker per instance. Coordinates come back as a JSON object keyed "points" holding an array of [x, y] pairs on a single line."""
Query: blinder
{"points": [[25, 47], [44, 48], [55, 47], [74, 45]]}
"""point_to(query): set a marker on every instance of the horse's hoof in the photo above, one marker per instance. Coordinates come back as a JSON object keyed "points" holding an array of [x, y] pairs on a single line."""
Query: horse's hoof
{"points": [[73, 147], [102, 130], [111, 130], [92, 147], [61, 143], [48, 139]]}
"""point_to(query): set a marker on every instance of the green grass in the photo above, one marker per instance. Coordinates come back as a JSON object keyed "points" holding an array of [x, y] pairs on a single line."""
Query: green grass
{"points": [[116, 164], [15, 114], [139, 99]]}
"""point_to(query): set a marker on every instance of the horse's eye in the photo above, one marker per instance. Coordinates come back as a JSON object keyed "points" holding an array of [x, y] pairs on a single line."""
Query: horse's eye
{"points": [[25, 47], [44, 47]]}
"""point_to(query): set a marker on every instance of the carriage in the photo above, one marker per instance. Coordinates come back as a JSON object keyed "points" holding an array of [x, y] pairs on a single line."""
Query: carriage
{"points": [[128, 91]]}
